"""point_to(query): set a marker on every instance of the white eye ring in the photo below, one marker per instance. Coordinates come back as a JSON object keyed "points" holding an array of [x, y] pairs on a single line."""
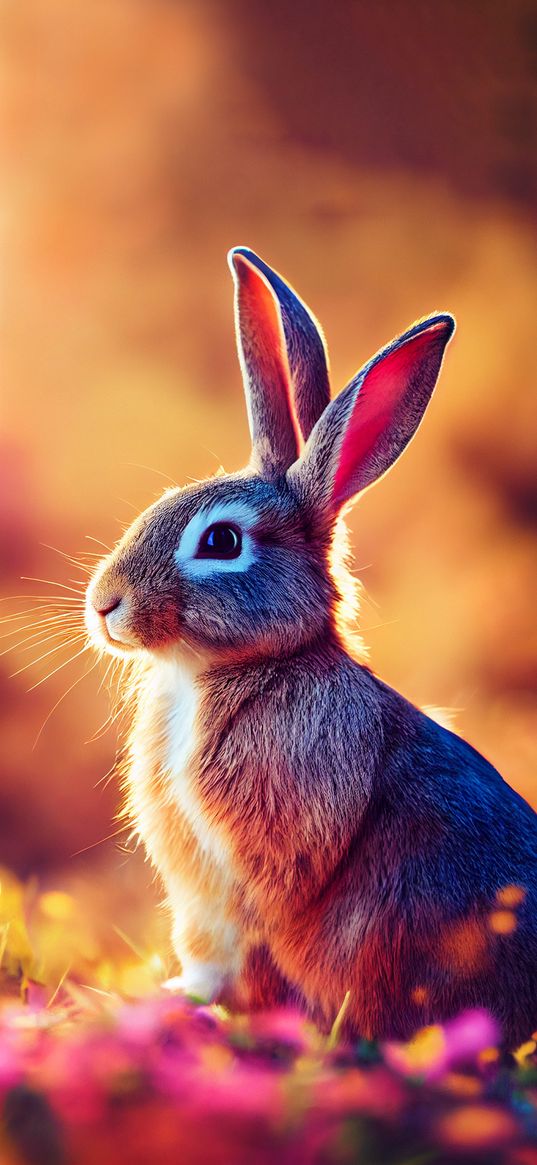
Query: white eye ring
{"points": [[233, 515]]}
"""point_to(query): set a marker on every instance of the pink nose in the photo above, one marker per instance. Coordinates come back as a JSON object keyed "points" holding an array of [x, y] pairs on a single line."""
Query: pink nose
{"points": [[104, 608]]}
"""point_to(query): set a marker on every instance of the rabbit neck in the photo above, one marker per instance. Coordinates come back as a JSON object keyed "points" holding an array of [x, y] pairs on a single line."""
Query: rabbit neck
{"points": [[212, 782], [181, 689], [161, 783]]}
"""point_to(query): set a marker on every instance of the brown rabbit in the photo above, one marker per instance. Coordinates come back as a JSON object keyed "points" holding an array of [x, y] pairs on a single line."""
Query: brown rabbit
{"points": [[315, 832]]}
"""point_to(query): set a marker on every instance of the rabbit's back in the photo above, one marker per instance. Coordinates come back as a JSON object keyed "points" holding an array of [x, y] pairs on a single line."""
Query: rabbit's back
{"points": [[463, 881], [434, 906]]}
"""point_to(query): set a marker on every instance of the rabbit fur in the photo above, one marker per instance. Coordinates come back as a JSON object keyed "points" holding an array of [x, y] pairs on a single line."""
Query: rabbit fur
{"points": [[316, 834]]}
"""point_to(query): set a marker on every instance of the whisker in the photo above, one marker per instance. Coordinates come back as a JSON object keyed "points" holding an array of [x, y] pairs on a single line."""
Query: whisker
{"points": [[102, 729], [38, 636], [114, 667], [151, 469], [57, 669], [108, 723], [52, 583], [106, 674], [44, 615], [68, 618], [105, 781], [98, 541], [61, 699], [377, 626], [192, 650], [126, 502], [64, 664], [50, 614], [109, 719], [42, 598], [116, 833], [34, 640], [34, 662], [68, 557]]}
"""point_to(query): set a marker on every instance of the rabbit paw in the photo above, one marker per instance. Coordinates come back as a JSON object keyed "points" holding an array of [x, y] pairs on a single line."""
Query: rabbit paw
{"points": [[202, 981]]}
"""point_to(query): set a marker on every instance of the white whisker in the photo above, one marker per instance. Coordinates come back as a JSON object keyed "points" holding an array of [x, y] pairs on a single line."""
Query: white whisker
{"points": [[57, 669], [45, 599], [126, 502], [102, 729], [34, 662], [35, 640], [106, 674], [52, 583], [102, 840], [105, 781], [68, 558], [42, 622], [44, 615], [115, 666], [98, 541], [62, 697], [151, 469]]}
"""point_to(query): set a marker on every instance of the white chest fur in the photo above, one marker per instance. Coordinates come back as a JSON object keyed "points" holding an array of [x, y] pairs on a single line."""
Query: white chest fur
{"points": [[180, 690], [165, 747]]}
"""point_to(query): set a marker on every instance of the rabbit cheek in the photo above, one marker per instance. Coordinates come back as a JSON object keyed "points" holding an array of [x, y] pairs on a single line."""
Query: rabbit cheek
{"points": [[156, 625]]}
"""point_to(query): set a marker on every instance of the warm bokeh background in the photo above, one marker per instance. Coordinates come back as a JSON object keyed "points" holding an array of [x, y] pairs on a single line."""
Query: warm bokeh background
{"points": [[384, 157]]}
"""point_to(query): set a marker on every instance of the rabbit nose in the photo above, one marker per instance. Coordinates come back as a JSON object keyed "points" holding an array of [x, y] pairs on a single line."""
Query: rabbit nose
{"points": [[105, 607]]}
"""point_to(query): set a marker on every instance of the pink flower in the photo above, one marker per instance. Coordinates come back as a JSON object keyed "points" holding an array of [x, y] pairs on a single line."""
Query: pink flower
{"points": [[436, 1049]]}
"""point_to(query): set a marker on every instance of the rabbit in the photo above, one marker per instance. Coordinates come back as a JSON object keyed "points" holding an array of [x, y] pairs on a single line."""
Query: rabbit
{"points": [[318, 837]]}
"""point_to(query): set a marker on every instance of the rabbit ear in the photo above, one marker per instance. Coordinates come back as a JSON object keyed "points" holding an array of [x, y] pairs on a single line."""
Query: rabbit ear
{"points": [[308, 361], [265, 369], [366, 427]]}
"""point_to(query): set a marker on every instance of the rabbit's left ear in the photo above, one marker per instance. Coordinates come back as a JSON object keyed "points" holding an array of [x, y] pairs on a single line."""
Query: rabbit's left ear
{"points": [[363, 431], [304, 341], [265, 369]]}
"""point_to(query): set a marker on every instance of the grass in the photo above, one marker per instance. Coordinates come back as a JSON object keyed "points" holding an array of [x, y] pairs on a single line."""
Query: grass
{"points": [[100, 1064]]}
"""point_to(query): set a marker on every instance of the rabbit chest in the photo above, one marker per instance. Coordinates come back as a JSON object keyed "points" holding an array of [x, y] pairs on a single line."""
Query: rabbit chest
{"points": [[179, 762], [164, 800]]}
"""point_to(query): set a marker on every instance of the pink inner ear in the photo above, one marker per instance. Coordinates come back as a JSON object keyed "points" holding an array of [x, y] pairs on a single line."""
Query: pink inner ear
{"points": [[377, 400], [264, 335]]}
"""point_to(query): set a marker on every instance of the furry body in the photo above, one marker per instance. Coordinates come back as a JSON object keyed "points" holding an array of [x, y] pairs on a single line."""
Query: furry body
{"points": [[323, 880]]}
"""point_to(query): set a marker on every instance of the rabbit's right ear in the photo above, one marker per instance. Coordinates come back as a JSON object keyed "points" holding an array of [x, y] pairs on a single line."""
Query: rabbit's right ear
{"points": [[364, 430], [265, 369], [306, 351]]}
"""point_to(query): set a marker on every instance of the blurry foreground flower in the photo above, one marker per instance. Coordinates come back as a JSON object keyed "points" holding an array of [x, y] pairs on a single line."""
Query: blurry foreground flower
{"points": [[477, 1127], [99, 1064], [436, 1049]]}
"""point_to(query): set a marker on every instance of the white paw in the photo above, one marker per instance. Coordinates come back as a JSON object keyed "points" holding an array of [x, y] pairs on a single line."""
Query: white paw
{"points": [[200, 980]]}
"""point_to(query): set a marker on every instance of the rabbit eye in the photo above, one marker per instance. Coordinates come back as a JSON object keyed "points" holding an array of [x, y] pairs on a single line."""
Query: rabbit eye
{"points": [[220, 541]]}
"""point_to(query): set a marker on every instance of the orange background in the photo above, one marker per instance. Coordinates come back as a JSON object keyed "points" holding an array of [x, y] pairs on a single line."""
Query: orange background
{"points": [[384, 158]]}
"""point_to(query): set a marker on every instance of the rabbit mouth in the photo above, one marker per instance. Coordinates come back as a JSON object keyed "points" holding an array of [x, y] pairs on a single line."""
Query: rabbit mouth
{"points": [[117, 634], [110, 629]]}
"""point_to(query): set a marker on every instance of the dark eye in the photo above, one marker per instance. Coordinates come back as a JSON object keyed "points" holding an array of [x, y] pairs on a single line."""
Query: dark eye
{"points": [[220, 541]]}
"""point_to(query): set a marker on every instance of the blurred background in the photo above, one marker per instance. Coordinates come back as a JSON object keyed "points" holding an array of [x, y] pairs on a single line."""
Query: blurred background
{"points": [[384, 158]]}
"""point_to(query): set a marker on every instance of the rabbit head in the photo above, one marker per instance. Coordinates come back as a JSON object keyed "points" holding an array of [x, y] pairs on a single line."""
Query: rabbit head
{"points": [[240, 565]]}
